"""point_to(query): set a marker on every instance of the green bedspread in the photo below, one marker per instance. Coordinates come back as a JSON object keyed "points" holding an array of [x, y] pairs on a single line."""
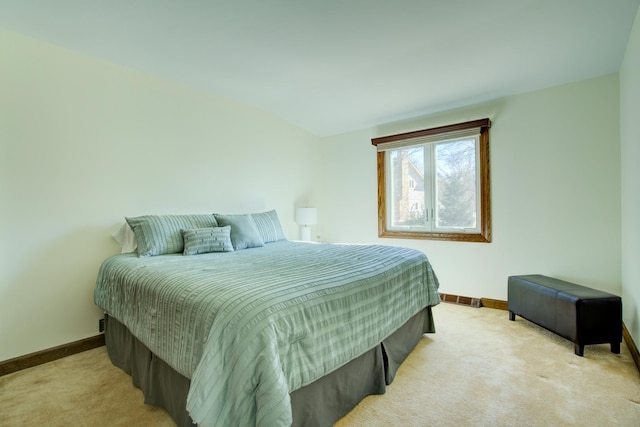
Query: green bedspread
{"points": [[251, 326]]}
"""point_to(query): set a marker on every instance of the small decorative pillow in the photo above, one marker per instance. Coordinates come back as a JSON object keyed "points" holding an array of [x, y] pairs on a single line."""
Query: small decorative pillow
{"points": [[269, 227], [205, 240], [162, 234], [244, 233]]}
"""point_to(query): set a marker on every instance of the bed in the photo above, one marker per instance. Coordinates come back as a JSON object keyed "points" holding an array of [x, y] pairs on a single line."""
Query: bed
{"points": [[239, 326]]}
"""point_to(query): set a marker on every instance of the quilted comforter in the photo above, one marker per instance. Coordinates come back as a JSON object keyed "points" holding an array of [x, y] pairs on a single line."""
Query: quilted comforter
{"points": [[251, 326]]}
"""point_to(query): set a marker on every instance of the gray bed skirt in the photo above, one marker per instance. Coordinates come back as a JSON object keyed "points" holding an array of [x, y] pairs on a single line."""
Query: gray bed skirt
{"points": [[320, 403]]}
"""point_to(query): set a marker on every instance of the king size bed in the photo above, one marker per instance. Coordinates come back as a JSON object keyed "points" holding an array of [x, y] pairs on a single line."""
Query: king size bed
{"points": [[223, 322]]}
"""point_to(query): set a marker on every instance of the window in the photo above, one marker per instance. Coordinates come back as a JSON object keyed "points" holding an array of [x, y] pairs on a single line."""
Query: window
{"points": [[434, 183]]}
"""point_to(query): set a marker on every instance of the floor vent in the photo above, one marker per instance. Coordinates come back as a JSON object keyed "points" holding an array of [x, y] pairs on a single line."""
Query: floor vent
{"points": [[458, 299]]}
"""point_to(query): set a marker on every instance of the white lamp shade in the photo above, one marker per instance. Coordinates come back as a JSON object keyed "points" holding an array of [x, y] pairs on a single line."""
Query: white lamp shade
{"points": [[306, 216]]}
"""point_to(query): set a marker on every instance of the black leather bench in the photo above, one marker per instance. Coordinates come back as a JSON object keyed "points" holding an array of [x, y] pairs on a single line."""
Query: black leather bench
{"points": [[578, 313]]}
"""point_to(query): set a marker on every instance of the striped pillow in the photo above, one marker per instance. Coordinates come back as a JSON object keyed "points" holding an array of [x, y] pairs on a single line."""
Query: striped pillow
{"points": [[204, 240], [269, 227], [244, 233], [162, 234]]}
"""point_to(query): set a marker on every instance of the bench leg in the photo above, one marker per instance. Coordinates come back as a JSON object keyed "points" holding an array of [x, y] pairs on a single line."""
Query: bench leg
{"points": [[512, 315], [579, 350], [615, 347]]}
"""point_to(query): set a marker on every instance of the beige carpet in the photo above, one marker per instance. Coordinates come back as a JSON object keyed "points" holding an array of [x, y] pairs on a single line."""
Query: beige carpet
{"points": [[479, 369]]}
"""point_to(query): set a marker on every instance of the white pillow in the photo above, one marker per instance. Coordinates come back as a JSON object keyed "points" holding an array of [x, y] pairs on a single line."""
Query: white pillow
{"points": [[125, 238]]}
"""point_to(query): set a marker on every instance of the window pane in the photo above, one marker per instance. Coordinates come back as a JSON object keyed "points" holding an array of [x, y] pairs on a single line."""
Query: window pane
{"points": [[456, 184], [449, 196], [407, 187]]}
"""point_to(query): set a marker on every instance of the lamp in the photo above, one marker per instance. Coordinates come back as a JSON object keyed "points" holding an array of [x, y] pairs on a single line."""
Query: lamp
{"points": [[304, 218]]}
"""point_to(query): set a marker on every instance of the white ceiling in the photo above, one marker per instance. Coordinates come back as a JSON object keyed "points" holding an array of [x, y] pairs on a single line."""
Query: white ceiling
{"points": [[331, 66]]}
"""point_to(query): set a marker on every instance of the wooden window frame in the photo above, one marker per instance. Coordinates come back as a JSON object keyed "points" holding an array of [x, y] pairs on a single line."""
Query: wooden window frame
{"points": [[484, 236]]}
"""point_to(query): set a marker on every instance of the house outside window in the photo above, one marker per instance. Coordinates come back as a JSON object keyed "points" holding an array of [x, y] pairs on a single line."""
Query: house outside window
{"points": [[434, 183]]}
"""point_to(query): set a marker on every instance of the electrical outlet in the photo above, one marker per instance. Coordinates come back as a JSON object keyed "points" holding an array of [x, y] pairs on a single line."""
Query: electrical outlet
{"points": [[101, 325]]}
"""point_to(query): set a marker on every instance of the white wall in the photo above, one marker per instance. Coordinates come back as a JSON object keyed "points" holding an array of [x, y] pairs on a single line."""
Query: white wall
{"points": [[84, 143], [555, 183], [630, 150]]}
